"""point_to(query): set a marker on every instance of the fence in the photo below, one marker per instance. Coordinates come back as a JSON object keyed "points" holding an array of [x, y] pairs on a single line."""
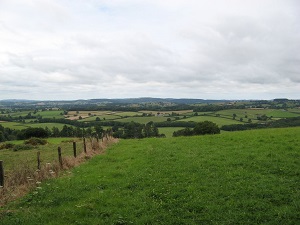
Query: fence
{"points": [[29, 176]]}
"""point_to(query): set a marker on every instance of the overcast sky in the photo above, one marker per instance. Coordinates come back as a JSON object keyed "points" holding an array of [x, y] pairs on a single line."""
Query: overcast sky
{"points": [[211, 49]]}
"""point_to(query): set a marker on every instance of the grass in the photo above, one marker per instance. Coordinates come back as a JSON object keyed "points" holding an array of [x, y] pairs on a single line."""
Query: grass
{"points": [[249, 177], [253, 113], [143, 119], [218, 120], [20, 126], [14, 125], [181, 112], [50, 114], [168, 131], [48, 152]]}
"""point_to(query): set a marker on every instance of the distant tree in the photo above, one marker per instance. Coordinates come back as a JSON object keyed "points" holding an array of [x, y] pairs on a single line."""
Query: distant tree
{"points": [[98, 129], [35, 132], [233, 116], [55, 132], [150, 130], [206, 127], [97, 119], [2, 138]]}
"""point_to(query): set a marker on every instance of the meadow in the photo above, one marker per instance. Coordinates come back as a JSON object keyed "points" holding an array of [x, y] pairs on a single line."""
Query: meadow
{"points": [[249, 177], [20, 126], [217, 120], [13, 159]]}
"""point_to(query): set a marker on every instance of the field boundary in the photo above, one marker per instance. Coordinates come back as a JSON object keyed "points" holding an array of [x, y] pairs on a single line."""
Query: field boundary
{"points": [[25, 178]]}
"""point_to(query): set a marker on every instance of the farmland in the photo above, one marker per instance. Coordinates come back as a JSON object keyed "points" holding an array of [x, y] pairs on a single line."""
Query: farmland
{"points": [[13, 159], [55, 119], [249, 177]]}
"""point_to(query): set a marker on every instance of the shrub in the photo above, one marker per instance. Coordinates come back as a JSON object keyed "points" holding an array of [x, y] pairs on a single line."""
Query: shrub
{"points": [[21, 147], [6, 146], [35, 141]]}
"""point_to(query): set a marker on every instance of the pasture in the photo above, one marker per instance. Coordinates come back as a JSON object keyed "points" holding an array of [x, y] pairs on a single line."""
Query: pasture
{"points": [[143, 120], [20, 126], [13, 159], [249, 177], [218, 120]]}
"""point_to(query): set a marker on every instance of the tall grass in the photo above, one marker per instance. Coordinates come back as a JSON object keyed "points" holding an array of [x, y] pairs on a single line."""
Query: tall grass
{"points": [[23, 177]]}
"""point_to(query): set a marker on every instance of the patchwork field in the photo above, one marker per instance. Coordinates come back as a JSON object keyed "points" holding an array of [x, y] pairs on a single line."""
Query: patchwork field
{"points": [[218, 120], [249, 177]]}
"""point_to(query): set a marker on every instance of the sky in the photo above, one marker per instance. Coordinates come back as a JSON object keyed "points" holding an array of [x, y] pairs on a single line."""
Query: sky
{"points": [[208, 49]]}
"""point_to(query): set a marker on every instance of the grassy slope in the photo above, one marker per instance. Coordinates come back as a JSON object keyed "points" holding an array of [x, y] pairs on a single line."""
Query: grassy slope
{"points": [[48, 152], [249, 177]]}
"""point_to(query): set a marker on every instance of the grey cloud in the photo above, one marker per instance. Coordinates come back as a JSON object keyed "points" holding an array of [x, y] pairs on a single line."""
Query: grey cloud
{"points": [[190, 49]]}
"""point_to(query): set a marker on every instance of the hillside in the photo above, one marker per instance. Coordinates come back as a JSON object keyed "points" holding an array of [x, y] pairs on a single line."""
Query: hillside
{"points": [[249, 177]]}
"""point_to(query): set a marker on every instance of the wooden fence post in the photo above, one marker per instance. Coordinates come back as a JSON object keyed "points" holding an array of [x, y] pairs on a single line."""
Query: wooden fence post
{"points": [[59, 156], [1, 174], [84, 145], [74, 149], [39, 160]]}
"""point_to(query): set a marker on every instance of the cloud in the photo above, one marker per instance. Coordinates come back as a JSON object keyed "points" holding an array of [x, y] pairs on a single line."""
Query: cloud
{"points": [[198, 49]]}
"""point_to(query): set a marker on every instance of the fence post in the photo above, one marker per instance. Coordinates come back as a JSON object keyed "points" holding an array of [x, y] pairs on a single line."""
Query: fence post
{"points": [[1, 174], [59, 156], [74, 149], [39, 160], [84, 145]]}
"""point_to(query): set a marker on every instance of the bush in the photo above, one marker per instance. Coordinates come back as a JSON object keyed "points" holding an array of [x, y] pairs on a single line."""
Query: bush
{"points": [[6, 146], [21, 147], [202, 128], [35, 141], [206, 127]]}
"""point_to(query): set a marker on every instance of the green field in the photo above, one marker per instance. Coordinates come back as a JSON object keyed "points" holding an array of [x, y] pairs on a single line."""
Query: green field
{"points": [[168, 131], [253, 113], [19, 126], [249, 177], [218, 120], [48, 152], [50, 114], [143, 119]]}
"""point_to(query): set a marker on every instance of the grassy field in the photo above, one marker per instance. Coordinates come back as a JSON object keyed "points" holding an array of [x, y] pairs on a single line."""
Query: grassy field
{"points": [[48, 152], [143, 119], [168, 131], [50, 114], [253, 113], [19, 126], [249, 177], [218, 120]]}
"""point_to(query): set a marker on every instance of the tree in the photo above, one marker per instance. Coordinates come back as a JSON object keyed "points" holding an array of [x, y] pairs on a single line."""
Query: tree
{"points": [[133, 130], [206, 127], [35, 132], [150, 130], [55, 132], [233, 116], [98, 129]]}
